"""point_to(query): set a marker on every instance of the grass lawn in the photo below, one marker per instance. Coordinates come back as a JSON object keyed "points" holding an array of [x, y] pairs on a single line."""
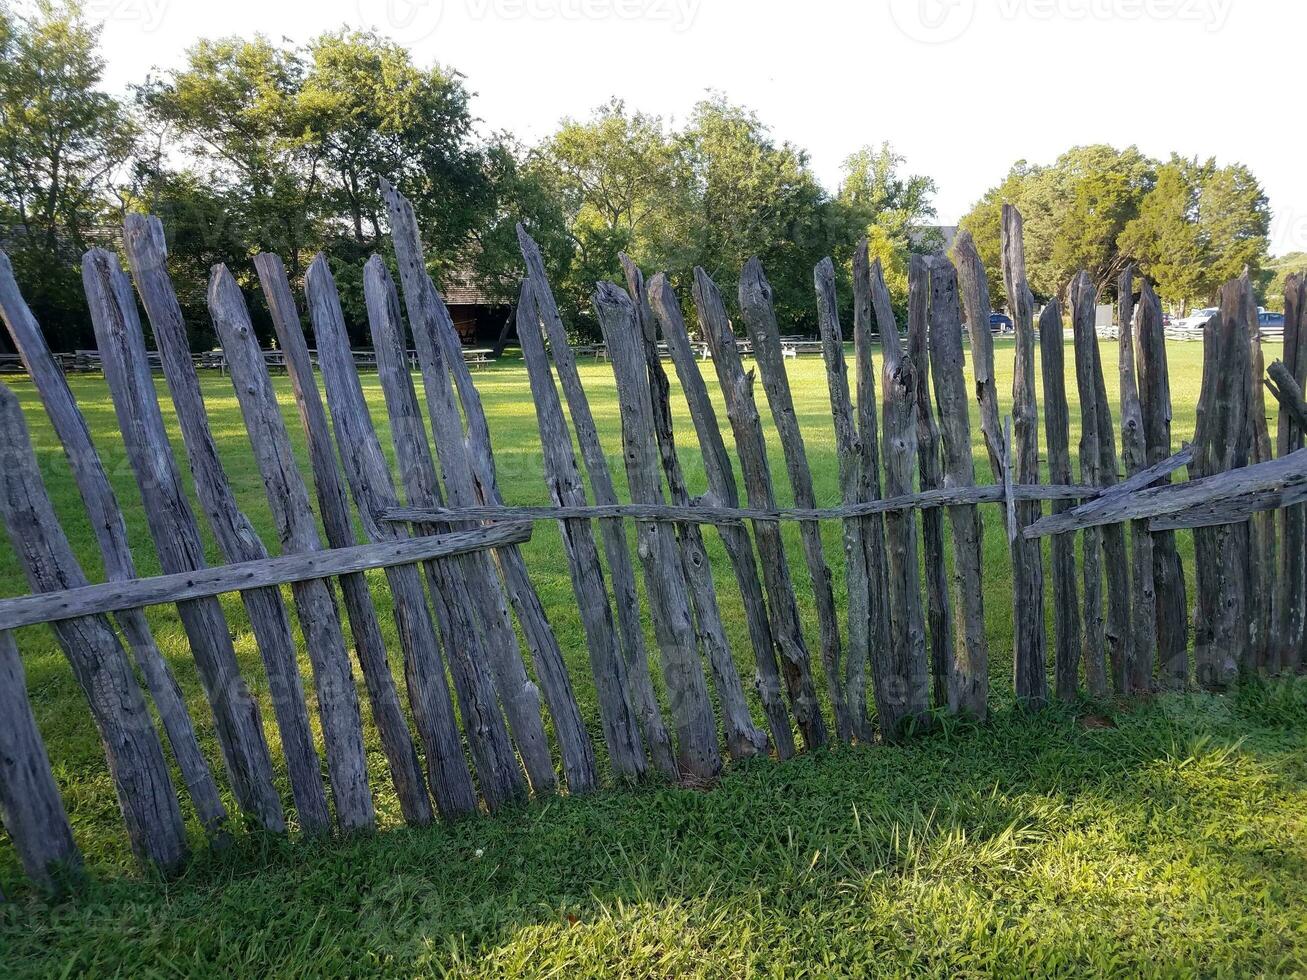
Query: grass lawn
{"points": [[1164, 837]]}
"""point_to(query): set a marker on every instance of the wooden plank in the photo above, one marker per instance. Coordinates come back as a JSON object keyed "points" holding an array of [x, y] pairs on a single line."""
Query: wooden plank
{"points": [[618, 712], [1263, 563], [1083, 299], [333, 504], [873, 526], [469, 584], [760, 321], [722, 488], [1168, 572], [939, 612], [1221, 443], [855, 485], [1291, 628], [30, 805], [697, 754], [1066, 611], [136, 762], [110, 529], [297, 529], [750, 446], [176, 536], [968, 683], [1031, 677], [574, 742], [1134, 452], [743, 738], [1235, 511], [370, 483], [613, 532], [908, 700], [143, 240]]}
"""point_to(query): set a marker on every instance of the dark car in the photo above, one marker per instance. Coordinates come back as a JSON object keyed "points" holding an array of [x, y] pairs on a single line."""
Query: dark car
{"points": [[1271, 320], [1000, 323]]}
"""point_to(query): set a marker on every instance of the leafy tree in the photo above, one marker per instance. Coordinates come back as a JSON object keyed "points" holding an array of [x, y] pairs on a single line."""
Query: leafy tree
{"points": [[62, 142]]}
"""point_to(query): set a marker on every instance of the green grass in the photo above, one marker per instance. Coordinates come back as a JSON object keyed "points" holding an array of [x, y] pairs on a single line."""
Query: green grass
{"points": [[1163, 837]]}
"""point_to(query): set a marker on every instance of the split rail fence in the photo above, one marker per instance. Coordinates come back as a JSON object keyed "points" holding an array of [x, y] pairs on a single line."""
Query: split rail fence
{"points": [[913, 632]]}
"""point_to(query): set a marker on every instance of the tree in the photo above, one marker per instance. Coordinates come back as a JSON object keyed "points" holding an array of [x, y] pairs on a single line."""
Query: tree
{"points": [[62, 143]]}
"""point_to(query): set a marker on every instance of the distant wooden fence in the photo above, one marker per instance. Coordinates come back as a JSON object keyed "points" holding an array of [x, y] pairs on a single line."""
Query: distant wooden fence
{"points": [[448, 543]]}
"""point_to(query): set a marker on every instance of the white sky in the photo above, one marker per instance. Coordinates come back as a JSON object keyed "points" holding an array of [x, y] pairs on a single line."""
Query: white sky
{"points": [[1208, 77]]}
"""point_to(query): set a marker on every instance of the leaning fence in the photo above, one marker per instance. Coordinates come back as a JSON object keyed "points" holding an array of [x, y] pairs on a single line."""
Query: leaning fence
{"points": [[911, 640]]}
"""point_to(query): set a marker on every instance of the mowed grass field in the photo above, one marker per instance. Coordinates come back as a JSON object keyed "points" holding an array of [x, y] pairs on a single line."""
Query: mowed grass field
{"points": [[1165, 837]]}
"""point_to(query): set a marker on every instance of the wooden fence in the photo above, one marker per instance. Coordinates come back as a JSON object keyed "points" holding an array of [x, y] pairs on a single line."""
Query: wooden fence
{"points": [[912, 635]]}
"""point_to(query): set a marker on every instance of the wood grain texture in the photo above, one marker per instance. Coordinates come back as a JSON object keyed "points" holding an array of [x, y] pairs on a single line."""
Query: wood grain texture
{"points": [[908, 699], [471, 583], [751, 448], [613, 532], [976, 308], [1291, 626], [176, 536], [1168, 572], [1263, 562], [110, 531], [100, 666], [30, 805], [743, 738], [618, 711], [297, 529], [697, 754], [759, 317], [1031, 676], [939, 611], [722, 488], [968, 682], [371, 485], [574, 743], [333, 505]]}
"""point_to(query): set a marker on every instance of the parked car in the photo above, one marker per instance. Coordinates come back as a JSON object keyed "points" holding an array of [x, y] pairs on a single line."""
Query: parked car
{"points": [[1271, 320], [1198, 318], [1000, 323]]}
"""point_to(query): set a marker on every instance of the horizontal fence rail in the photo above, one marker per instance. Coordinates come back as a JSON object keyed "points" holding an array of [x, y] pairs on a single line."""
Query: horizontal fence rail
{"points": [[490, 715]]}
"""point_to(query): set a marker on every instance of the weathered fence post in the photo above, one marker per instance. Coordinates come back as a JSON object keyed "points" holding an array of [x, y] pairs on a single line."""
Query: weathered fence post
{"points": [[909, 698], [939, 613], [760, 320], [975, 301], [873, 525], [147, 253], [1027, 557], [1262, 586], [723, 492], [177, 535], [746, 426], [1134, 451], [370, 482], [1082, 296], [469, 584], [1168, 573], [1066, 612], [967, 688], [613, 531], [369, 645], [106, 519], [315, 602], [1221, 442], [743, 738], [573, 740], [855, 485], [1291, 632], [669, 605], [100, 665], [30, 804], [617, 709]]}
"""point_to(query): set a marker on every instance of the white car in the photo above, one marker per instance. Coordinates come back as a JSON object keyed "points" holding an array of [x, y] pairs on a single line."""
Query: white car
{"points": [[1196, 320]]}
